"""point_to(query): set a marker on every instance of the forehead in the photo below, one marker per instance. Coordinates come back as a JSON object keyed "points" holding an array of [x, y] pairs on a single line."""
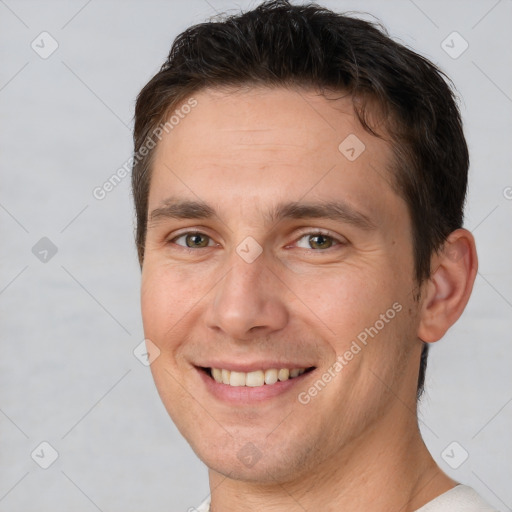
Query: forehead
{"points": [[266, 142], [272, 118]]}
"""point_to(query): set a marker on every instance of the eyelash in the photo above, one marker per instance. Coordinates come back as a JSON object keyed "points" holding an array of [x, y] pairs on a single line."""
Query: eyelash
{"points": [[337, 241]]}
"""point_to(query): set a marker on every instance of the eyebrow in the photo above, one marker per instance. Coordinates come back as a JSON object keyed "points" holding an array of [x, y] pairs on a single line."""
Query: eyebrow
{"points": [[335, 210]]}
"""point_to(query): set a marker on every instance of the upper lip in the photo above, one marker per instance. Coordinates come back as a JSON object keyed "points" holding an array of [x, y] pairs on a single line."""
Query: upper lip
{"points": [[253, 366]]}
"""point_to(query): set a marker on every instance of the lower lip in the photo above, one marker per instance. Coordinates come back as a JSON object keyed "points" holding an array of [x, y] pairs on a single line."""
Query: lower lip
{"points": [[245, 394]]}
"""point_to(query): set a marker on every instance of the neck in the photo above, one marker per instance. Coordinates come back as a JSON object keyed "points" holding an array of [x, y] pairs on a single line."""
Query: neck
{"points": [[386, 468]]}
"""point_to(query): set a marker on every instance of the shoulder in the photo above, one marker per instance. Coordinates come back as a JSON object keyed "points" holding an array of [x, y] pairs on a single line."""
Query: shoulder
{"points": [[204, 507], [459, 499]]}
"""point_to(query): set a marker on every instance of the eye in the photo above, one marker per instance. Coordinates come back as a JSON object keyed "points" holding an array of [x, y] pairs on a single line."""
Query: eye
{"points": [[194, 240], [317, 241]]}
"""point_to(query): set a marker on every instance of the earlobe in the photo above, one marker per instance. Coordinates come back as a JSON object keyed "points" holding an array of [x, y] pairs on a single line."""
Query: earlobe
{"points": [[449, 287]]}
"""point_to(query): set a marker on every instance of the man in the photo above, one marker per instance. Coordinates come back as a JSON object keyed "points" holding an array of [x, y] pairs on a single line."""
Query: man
{"points": [[299, 182]]}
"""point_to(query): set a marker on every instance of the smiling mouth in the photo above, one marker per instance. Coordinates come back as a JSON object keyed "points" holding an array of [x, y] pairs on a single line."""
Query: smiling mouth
{"points": [[256, 378]]}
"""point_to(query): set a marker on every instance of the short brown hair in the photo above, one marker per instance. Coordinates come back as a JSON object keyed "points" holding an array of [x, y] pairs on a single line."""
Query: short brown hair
{"points": [[279, 44]]}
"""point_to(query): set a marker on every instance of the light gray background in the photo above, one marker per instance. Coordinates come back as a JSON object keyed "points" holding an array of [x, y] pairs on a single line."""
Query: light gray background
{"points": [[68, 375]]}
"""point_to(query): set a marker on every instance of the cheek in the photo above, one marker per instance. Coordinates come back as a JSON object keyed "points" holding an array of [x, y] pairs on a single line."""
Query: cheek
{"points": [[165, 303], [346, 299], [167, 295], [163, 300], [153, 303]]}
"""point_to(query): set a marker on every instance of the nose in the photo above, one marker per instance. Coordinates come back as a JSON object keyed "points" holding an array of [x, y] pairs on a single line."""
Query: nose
{"points": [[248, 302]]}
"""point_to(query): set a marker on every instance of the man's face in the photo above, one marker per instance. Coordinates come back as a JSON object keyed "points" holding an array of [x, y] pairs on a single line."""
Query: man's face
{"points": [[256, 280]]}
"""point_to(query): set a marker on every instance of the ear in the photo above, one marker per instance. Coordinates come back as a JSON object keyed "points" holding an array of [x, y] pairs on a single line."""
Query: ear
{"points": [[449, 287]]}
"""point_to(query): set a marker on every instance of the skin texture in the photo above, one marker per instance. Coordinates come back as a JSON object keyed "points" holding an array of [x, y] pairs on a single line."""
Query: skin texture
{"points": [[356, 444]]}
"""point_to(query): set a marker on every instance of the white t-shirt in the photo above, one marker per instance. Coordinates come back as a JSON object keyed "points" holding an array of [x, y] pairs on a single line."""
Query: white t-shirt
{"points": [[459, 499]]}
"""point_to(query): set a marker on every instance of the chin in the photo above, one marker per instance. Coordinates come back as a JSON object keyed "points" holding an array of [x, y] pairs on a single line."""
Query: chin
{"points": [[256, 460]]}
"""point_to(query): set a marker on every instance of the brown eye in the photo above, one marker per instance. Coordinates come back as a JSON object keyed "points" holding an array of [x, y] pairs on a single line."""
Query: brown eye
{"points": [[317, 241], [193, 240], [320, 241]]}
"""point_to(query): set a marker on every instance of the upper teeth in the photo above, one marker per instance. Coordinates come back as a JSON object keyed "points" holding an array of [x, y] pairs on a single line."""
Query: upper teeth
{"points": [[256, 378]]}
